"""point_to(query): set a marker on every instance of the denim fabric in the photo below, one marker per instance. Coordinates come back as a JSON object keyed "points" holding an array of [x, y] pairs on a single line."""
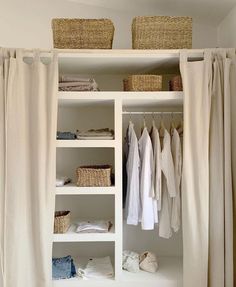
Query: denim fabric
{"points": [[66, 136], [63, 268]]}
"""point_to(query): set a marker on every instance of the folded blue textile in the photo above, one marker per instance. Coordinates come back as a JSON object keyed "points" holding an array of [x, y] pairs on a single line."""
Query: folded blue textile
{"points": [[63, 268], [66, 136]]}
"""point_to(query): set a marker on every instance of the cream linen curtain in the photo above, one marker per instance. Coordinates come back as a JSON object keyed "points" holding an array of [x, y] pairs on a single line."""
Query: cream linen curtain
{"points": [[207, 195], [27, 167]]}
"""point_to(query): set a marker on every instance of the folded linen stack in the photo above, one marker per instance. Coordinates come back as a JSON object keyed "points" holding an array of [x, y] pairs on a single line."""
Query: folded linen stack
{"points": [[77, 83], [96, 226], [99, 134], [97, 268], [63, 268]]}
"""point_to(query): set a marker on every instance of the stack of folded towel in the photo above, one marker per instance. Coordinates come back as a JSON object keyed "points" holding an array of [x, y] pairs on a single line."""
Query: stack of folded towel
{"points": [[95, 226], [77, 83], [99, 134], [97, 268]]}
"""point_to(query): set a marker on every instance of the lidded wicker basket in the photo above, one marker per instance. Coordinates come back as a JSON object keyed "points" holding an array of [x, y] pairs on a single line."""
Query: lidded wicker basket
{"points": [[61, 221], [162, 32], [143, 83], [82, 33], [95, 175]]}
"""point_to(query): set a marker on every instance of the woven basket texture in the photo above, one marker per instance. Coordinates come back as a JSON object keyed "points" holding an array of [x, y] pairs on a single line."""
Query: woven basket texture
{"points": [[99, 175], [175, 84], [162, 32], [61, 221], [143, 83], [82, 33]]}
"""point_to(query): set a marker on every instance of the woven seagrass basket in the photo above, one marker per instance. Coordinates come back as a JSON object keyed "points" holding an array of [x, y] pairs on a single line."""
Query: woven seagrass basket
{"points": [[82, 33], [61, 221], [175, 84], [97, 175], [143, 83], [162, 32]]}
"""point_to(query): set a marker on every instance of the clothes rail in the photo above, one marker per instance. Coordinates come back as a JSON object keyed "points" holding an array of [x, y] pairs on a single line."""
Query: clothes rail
{"points": [[151, 113]]}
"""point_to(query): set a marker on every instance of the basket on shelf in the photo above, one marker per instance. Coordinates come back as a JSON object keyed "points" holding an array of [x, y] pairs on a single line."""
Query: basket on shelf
{"points": [[143, 83], [61, 221], [175, 84], [162, 32], [96, 175], [82, 33]]}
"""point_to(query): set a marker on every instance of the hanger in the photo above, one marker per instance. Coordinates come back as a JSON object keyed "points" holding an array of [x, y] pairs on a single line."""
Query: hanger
{"points": [[172, 124], [144, 123], [162, 127]]}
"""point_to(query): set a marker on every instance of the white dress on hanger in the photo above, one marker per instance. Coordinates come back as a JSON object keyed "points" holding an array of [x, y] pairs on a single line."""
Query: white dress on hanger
{"points": [[168, 187], [157, 164], [177, 159], [149, 204], [133, 204]]}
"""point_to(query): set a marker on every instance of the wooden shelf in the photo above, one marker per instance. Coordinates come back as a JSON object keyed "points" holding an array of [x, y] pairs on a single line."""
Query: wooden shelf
{"points": [[169, 274], [72, 236], [72, 189], [120, 61], [85, 143], [129, 99]]}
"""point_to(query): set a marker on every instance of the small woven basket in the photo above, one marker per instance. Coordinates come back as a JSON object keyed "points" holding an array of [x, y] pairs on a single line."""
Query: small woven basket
{"points": [[61, 221], [175, 84], [82, 33], [97, 175], [162, 32], [143, 83]]}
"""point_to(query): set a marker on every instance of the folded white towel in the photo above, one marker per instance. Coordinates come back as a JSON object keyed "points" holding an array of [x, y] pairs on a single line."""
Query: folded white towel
{"points": [[97, 268], [93, 226]]}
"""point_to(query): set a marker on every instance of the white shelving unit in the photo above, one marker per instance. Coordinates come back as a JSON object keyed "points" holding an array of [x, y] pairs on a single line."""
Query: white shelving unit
{"points": [[116, 64]]}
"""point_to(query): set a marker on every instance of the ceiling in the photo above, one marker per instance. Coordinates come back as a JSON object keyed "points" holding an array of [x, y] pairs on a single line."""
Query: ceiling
{"points": [[207, 11]]}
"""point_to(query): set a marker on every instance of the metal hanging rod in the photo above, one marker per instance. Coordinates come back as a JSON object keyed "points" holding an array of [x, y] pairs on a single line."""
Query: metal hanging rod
{"points": [[151, 113]]}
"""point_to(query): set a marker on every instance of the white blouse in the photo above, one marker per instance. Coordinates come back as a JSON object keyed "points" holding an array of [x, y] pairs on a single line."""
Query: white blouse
{"points": [[149, 205], [168, 187], [177, 159], [133, 204]]}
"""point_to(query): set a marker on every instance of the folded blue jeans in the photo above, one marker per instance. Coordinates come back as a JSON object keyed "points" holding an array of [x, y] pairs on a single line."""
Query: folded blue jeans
{"points": [[63, 268]]}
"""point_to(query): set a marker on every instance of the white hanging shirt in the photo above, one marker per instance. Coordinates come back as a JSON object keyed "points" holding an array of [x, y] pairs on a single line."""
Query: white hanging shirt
{"points": [[133, 203], [149, 205], [168, 187], [177, 159], [157, 164]]}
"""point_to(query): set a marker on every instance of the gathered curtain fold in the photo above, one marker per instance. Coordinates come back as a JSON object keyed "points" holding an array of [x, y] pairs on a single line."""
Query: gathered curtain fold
{"points": [[209, 168], [28, 116]]}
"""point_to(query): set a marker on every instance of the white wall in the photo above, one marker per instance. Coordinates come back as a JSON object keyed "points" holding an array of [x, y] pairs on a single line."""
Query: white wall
{"points": [[27, 23], [226, 30]]}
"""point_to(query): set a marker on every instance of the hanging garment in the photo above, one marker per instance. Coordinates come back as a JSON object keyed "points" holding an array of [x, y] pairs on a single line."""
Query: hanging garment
{"points": [[133, 203], [157, 164], [149, 205], [28, 135], [168, 187], [177, 160]]}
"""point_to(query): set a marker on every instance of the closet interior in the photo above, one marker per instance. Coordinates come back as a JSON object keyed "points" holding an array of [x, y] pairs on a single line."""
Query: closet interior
{"points": [[112, 108]]}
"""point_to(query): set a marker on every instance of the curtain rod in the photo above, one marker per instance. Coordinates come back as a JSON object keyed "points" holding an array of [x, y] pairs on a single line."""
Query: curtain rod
{"points": [[151, 113]]}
